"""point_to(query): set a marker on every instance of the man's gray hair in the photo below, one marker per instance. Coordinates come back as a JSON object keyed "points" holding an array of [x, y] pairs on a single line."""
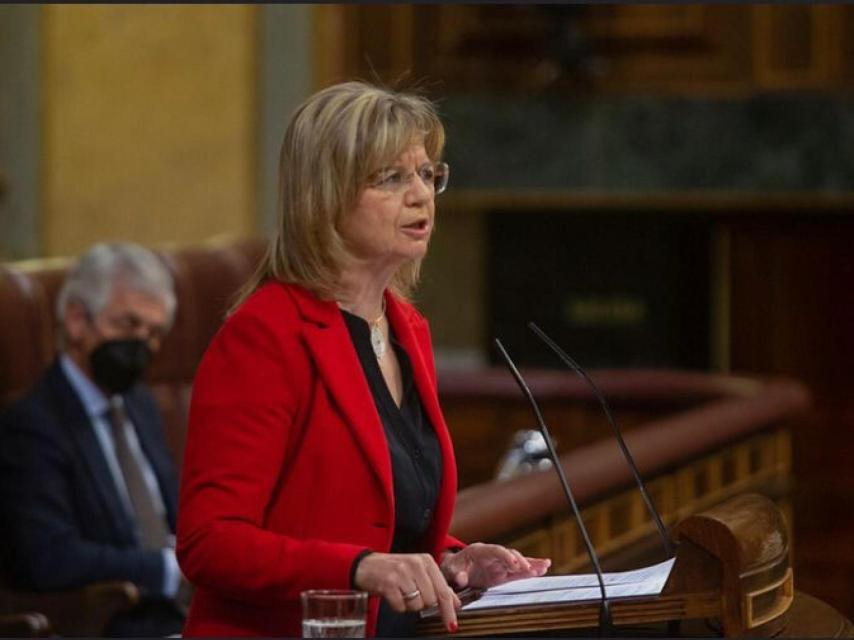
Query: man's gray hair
{"points": [[91, 280]]}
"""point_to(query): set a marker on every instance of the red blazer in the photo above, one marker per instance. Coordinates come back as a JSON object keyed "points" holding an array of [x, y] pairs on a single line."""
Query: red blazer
{"points": [[287, 475]]}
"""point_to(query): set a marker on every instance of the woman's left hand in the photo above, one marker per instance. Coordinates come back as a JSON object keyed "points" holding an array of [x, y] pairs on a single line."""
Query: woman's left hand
{"points": [[487, 565]]}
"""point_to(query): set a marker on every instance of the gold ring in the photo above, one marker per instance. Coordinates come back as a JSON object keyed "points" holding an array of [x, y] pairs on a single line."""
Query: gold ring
{"points": [[411, 595]]}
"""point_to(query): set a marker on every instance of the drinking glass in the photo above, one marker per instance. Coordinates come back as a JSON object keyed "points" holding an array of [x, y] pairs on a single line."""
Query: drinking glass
{"points": [[334, 613]]}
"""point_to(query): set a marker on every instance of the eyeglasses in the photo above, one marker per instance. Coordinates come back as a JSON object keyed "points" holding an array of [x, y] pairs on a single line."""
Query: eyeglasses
{"points": [[130, 324], [393, 179]]}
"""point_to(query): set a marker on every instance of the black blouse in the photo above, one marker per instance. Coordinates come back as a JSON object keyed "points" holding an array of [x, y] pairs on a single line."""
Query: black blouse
{"points": [[416, 460]]}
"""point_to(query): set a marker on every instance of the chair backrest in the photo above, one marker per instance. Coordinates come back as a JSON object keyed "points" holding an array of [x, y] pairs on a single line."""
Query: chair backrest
{"points": [[26, 344], [206, 279]]}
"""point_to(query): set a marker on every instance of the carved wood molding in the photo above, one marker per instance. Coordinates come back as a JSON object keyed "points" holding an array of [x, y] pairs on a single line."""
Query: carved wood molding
{"points": [[667, 48]]}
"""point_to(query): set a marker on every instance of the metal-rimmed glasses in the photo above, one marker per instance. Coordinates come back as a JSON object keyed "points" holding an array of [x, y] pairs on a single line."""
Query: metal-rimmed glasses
{"points": [[395, 179]]}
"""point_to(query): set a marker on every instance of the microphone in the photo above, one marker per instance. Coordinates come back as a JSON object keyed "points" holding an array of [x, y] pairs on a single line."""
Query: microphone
{"points": [[605, 609], [572, 364]]}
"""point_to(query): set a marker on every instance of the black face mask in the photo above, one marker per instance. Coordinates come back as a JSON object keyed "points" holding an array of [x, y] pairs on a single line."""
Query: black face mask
{"points": [[117, 365]]}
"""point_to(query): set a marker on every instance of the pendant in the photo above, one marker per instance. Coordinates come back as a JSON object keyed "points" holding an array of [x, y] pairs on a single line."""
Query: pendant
{"points": [[377, 340]]}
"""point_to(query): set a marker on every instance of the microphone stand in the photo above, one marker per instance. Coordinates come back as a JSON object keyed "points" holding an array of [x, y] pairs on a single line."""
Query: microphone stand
{"points": [[572, 364], [605, 621]]}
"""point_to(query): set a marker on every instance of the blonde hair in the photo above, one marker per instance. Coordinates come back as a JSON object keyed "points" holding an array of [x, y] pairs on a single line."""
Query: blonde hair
{"points": [[335, 141]]}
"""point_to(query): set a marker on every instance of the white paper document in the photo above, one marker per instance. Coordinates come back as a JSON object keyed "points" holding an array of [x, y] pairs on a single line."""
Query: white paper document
{"points": [[648, 581]]}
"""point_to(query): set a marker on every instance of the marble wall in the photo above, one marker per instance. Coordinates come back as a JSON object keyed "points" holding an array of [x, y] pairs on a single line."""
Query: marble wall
{"points": [[766, 143]]}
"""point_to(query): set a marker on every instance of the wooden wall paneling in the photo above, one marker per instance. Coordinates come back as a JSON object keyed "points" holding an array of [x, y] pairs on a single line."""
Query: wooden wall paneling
{"points": [[792, 314], [467, 47], [478, 440], [797, 46], [792, 310], [693, 49], [619, 525], [336, 45], [846, 45], [720, 297], [564, 534], [483, 429], [517, 47], [661, 47], [656, 21], [375, 43], [385, 34]]}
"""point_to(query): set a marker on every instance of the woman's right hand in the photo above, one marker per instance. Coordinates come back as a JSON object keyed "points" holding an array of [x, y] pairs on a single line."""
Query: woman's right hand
{"points": [[416, 575]]}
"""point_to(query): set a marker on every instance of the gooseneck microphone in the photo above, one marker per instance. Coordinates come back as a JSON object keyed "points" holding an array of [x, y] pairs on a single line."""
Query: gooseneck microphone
{"points": [[605, 609], [572, 364]]}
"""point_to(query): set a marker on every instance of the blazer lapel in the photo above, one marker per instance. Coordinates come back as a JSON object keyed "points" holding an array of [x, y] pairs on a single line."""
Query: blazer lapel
{"points": [[73, 417], [328, 341]]}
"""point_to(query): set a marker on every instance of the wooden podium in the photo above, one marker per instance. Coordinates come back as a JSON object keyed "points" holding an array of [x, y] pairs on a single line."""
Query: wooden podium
{"points": [[732, 566]]}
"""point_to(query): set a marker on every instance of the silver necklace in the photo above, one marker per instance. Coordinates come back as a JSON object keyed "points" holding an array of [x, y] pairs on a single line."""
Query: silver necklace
{"points": [[378, 342]]}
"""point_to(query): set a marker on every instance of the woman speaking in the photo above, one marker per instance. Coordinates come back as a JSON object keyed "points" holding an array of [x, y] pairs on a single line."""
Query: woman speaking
{"points": [[317, 455]]}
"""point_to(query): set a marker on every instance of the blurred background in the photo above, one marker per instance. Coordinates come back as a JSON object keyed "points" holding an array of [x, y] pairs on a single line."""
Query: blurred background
{"points": [[656, 185]]}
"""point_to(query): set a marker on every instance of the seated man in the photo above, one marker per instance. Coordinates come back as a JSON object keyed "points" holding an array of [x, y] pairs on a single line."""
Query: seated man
{"points": [[87, 486]]}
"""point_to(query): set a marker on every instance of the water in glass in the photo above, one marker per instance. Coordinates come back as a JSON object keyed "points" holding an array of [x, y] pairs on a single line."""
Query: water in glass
{"points": [[333, 628]]}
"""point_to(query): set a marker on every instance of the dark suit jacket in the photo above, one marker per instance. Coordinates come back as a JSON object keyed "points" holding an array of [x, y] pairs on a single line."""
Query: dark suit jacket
{"points": [[63, 524]]}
